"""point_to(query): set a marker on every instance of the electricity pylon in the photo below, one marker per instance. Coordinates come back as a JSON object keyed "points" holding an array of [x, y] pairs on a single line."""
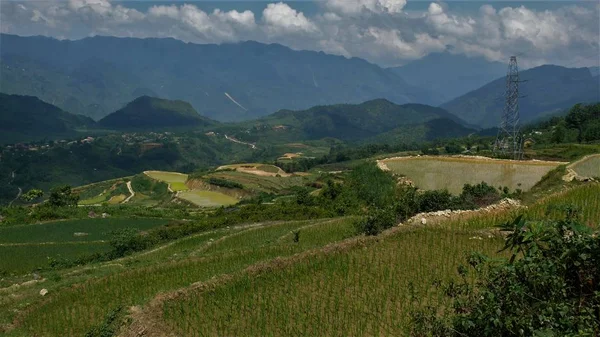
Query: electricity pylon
{"points": [[509, 142]]}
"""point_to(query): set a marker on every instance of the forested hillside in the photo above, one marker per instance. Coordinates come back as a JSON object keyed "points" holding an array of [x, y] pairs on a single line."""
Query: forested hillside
{"points": [[154, 113], [26, 118], [370, 121]]}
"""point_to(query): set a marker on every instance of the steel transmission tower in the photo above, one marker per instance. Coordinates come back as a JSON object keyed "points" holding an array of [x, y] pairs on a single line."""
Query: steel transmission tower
{"points": [[509, 142]]}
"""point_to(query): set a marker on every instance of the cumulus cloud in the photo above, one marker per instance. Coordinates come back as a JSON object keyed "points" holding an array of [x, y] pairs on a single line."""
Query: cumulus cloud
{"points": [[281, 19], [359, 6], [378, 30]]}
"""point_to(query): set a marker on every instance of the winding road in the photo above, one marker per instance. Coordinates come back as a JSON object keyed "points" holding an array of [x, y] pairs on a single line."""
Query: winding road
{"points": [[240, 142], [131, 192]]}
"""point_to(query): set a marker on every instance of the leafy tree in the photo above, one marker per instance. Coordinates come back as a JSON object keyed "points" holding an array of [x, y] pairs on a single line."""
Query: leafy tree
{"points": [[559, 132], [63, 196], [32, 194]]}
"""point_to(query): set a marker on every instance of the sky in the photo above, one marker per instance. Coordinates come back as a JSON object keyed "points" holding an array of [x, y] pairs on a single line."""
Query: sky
{"points": [[385, 32]]}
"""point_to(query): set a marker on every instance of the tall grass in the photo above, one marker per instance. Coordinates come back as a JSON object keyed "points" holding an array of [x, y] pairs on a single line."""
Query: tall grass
{"points": [[72, 311]]}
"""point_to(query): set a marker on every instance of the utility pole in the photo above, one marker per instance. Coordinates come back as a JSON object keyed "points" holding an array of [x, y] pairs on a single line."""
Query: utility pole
{"points": [[509, 142]]}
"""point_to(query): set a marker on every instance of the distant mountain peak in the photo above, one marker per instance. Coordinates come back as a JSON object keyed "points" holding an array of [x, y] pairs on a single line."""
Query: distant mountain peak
{"points": [[152, 112]]}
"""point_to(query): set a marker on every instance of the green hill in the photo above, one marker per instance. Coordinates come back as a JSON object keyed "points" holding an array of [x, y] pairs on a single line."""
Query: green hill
{"points": [[154, 113], [377, 119], [27, 118], [545, 90]]}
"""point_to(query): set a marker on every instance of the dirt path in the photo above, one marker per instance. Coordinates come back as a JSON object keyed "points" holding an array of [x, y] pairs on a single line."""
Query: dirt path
{"points": [[131, 193], [12, 178], [240, 142]]}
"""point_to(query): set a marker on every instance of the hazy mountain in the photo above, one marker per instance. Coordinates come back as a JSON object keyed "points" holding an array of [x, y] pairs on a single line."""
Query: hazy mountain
{"points": [[154, 113], [98, 75], [547, 89], [449, 75], [27, 118], [375, 119]]}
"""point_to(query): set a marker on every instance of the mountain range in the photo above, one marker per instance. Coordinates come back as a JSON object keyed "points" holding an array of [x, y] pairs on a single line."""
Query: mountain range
{"points": [[450, 75], [98, 75], [544, 91]]}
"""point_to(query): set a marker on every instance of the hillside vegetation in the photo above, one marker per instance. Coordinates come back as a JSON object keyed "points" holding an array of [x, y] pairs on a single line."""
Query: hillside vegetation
{"points": [[371, 121], [26, 118], [147, 113]]}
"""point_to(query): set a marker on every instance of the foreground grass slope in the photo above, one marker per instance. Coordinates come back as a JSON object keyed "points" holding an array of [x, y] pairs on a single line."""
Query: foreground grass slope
{"points": [[363, 287], [308, 276]]}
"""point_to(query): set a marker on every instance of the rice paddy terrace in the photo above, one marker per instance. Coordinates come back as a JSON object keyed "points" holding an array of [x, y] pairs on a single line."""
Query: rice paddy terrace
{"points": [[430, 173], [301, 278]]}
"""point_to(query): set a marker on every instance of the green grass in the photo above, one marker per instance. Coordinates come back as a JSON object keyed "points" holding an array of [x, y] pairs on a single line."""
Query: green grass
{"points": [[176, 180], [258, 183], [63, 231], [362, 289], [27, 258], [91, 300], [207, 198], [589, 167], [363, 286], [95, 200], [269, 168], [27, 247], [452, 173]]}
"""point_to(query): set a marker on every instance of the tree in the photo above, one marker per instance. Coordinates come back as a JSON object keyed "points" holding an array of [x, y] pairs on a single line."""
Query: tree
{"points": [[63, 196], [32, 194], [576, 119], [559, 132]]}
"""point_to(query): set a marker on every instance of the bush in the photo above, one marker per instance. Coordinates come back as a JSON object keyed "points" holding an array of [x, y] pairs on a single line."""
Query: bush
{"points": [[436, 200], [63, 196], [550, 286], [377, 221]]}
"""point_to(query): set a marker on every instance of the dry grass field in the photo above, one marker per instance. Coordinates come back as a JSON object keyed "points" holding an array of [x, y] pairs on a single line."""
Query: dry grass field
{"points": [[453, 172]]}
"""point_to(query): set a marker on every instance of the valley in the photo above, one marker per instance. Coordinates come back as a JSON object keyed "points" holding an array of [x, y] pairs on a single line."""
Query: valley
{"points": [[161, 187]]}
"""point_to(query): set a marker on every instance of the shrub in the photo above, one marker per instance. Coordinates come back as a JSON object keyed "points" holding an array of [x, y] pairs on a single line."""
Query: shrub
{"points": [[550, 286], [63, 196], [378, 220]]}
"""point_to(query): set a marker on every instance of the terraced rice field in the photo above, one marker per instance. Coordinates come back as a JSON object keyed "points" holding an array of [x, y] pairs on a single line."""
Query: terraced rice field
{"points": [[588, 167], [174, 179], [207, 198], [26, 247], [208, 255], [453, 172], [256, 280]]}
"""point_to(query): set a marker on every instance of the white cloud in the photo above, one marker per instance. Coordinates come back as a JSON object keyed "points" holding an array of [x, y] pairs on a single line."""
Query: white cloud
{"points": [[378, 30], [358, 6], [281, 18]]}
